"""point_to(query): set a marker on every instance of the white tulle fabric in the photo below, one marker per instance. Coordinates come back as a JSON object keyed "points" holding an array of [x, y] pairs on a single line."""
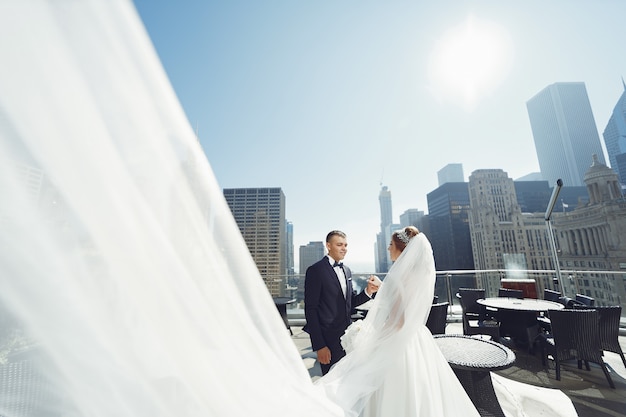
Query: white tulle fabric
{"points": [[118, 254], [394, 367]]}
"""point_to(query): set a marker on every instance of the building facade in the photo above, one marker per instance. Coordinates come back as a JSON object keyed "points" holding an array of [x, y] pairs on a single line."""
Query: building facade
{"points": [[260, 215], [450, 173], [564, 131], [448, 226], [502, 236], [309, 254], [591, 238], [411, 217]]}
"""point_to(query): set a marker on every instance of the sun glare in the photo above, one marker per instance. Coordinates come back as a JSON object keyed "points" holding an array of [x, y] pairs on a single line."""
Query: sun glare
{"points": [[470, 61]]}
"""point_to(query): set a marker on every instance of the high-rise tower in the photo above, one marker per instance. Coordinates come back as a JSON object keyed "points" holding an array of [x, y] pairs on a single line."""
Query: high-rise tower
{"points": [[615, 137], [260, 215], [564, 131], [382, 238], [384, 198]]}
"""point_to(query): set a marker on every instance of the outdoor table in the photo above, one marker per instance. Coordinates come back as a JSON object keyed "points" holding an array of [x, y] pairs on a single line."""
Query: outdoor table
{"points": [[518, 317], [472, 360], [517, 304], [281, 305]]}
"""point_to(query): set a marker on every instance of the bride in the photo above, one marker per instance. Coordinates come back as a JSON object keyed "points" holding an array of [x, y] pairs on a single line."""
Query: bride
{"points": [[393, 366], [125, 285]]}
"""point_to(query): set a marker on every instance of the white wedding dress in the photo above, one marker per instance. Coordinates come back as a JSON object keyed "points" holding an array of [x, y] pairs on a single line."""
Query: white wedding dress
{"points": [[394, 367], [122, 269]]}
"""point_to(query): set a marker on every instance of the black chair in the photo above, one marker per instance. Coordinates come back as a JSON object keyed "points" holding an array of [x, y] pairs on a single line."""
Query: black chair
{"points": [[569, 302], [575, 335], [475, 317], [436, 322], [511, 293], [588, 301], [550, 295], [609, 317]]}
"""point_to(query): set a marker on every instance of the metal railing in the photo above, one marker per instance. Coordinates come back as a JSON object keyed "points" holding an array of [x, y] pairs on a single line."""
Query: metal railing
{"points": [[606, 287]]}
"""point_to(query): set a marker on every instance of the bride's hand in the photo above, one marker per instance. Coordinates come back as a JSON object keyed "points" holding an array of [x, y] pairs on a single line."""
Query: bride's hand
{"points": [[373, 284]]}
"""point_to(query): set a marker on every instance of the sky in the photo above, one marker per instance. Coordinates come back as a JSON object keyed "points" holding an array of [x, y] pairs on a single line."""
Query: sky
{"points": [[330, 99]]}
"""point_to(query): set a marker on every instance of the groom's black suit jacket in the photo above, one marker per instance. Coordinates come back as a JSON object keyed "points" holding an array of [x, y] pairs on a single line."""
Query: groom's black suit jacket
{"points": [[326, 310]]}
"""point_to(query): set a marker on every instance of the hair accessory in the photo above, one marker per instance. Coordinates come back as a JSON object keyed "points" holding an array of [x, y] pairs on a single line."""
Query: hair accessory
{"points": [[403, 236]]}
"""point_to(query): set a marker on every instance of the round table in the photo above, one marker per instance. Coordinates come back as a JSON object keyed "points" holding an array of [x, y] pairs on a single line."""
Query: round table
{"points": [[472, 359], [520, 318], [517, 304]]}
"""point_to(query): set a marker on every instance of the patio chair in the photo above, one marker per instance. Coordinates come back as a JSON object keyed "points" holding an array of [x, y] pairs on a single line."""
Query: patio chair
{"points": [[511, 293], [475, 317], [609, 317], [588, 301], [436, 322], [550, 295], [575, 335]]}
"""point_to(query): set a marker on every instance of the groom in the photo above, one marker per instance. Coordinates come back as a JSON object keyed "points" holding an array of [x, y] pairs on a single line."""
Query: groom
{"points": [[328, 300]]}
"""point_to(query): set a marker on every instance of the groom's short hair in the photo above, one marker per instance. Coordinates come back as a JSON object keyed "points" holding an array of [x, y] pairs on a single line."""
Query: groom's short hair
{"points": [[335, 233]]}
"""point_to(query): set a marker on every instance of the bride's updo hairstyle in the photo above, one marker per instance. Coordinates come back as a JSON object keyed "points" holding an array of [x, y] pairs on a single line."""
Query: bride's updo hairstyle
{"points": [[401, 237]]}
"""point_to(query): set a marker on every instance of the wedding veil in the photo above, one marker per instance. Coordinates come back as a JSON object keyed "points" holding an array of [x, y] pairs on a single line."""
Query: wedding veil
{"points": [[122, 270], [400, 308]]}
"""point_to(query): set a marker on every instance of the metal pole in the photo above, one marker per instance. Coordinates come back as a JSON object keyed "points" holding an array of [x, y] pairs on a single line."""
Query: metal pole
{"points": [[557, 268]]}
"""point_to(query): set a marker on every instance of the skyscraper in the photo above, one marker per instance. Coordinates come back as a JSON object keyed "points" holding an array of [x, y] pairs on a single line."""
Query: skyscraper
{"points": [[564, 131], [411, 217], [384, 198], [260, 215], [382, 238], [449, 234], [309, 254], [450, 173], [615, 137]]}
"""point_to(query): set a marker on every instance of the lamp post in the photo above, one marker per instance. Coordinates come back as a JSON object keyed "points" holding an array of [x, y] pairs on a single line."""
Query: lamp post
{"points": [[555, 194]]}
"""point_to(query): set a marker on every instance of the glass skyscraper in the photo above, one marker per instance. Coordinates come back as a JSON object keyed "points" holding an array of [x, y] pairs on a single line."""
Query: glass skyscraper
{"points": [[615, 138], [565, 133]]}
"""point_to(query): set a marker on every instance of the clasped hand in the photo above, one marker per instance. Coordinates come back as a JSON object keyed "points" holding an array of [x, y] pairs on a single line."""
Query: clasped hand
{"points": [[373, 284]]}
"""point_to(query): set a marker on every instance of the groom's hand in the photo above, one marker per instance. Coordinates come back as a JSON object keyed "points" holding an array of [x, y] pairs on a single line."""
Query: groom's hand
{"points": [[323, 356], [373, 284]]}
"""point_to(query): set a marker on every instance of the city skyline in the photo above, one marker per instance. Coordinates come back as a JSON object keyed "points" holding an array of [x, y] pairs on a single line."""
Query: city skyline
{"points": [[329, 101]]}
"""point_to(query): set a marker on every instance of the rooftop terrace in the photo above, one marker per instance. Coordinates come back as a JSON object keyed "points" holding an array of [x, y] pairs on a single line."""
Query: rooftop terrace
{"points": [[588, 390]]}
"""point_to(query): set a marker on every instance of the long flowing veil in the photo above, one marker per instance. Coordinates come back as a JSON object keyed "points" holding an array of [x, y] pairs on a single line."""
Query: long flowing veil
{"points": [[125, 283], [399, 312]]}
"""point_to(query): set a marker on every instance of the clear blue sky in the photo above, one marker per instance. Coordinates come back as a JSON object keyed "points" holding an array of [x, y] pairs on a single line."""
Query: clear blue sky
{"points": [[328, 99]]}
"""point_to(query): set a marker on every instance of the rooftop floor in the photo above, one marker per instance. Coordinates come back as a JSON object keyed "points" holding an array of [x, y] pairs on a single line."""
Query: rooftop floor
{"points": [[589, 390]]}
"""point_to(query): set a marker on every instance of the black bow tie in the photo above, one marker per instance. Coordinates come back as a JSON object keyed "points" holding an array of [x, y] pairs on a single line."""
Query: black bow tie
{"points": [[339, 264]]}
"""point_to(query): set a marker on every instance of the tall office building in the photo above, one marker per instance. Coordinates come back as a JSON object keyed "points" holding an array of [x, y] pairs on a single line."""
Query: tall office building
{"points": [[289, 248], [384, 198], [411, 217], [260, 215], [615, 138], [448, 231], [564, 131], [502, 236], [309, 254], [450, 173], [383, 263]]}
